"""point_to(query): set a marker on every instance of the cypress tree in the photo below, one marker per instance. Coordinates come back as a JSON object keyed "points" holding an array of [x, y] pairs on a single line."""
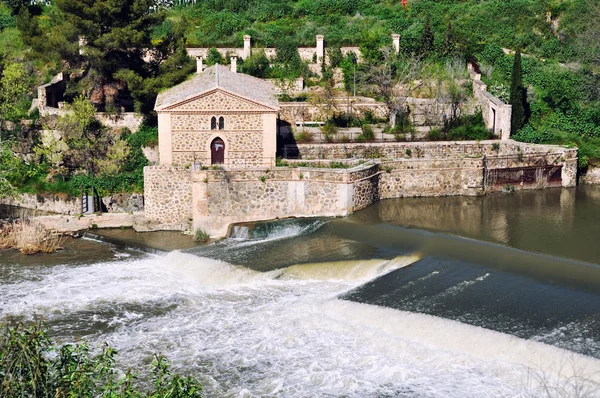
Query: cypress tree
{"points": [[517, 95], [427, 40]]}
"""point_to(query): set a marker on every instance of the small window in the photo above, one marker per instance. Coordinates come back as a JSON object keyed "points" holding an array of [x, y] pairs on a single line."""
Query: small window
{"points": [[221, 123], [213, 123]]}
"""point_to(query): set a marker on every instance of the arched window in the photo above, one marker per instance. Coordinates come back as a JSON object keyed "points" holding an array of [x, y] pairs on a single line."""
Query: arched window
{"points": [[221, 123], [213, 123]]}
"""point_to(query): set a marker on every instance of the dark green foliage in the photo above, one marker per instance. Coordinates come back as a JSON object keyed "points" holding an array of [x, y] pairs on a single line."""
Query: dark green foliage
{"points": [[530, 134], [335, 57], [32, 365], [256, 65], [7, 20], [427, 39], [214, 57], [518, 95], [348, 65], [288, 64], [367, 134], [117, 37], [370, 47], [469, 127]]}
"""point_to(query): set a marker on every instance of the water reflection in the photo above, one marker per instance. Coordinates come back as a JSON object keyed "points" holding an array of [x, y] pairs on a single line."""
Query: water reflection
{"points": [[560, 222]]}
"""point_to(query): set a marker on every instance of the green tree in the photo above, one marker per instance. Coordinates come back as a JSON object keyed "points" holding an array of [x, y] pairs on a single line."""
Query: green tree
{"points": [[14, 85], [9, 166], [256, 65], [91, 147], [427, 39], [33, 365], [518, 95], [214, 57], [115, 36]]}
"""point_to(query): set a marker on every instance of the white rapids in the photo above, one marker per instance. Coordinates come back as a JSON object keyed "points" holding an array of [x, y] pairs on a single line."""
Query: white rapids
{"points": [[285, 333]]}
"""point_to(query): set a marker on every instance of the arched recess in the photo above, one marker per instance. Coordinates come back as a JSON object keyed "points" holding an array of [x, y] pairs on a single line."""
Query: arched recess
{"points": [[217, 151]]}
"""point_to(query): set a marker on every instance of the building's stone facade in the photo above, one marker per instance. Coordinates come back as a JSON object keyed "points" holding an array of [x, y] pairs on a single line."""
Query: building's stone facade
{"points": [[198, 112]]}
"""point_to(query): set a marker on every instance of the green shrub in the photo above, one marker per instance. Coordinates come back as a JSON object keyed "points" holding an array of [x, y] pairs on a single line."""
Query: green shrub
{"points": [[338, 165], [201, 236], [329, 130], [32, 365], [303, 137], [435, 135], [367, 134]]}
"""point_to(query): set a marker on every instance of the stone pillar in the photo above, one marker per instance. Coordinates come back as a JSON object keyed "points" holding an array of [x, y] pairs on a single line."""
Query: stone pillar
{"points": [[247, 48], [165, 148], [396, 40], [320, 48], [42, 98], [234, 64], [199, 65]]}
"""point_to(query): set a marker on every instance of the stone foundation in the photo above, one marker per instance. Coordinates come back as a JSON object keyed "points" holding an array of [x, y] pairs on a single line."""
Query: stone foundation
{"points": [[168, 194], [213, 199]]}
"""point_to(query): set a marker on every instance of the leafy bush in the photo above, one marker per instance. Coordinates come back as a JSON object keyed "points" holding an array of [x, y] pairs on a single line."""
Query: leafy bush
{"points": [[256, 65], [367, 134], [469, 127], [202, 236], [32, 365], [214, 57], [532, 135], [435, 135], [303, 137], [329, 130]]}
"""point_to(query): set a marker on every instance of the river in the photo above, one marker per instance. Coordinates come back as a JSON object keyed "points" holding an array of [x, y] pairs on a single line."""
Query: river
{"points": [[429, 297]]}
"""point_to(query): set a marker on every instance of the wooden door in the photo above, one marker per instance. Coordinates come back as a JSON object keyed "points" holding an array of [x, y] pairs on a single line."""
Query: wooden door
{"points": [[217, 151]]}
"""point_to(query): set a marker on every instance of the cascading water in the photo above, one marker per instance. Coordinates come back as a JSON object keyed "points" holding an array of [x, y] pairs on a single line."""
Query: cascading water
{"points": [[345, 308]]}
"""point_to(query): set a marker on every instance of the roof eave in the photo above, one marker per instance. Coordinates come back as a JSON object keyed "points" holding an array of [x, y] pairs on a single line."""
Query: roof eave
{"points": [[165, 107]]}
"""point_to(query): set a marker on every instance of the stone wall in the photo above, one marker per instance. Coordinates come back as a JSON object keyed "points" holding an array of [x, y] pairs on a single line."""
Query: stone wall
{"points": [[130, 120], [496, 114], [51, 203], [438, 177], [423, 111], [498, 155], [216, 198], [225, 197], [591, 176], [168, 194]]}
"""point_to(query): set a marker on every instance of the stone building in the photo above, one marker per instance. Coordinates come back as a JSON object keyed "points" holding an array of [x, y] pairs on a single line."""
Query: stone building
{"points": [[218, 117]]}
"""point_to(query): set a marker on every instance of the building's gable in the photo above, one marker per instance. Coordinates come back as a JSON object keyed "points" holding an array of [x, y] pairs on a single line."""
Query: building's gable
{"points": [[218, 101]]}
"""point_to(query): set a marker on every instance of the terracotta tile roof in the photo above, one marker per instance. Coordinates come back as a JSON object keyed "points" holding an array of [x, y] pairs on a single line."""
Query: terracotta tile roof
{"points": [[220, 76]]}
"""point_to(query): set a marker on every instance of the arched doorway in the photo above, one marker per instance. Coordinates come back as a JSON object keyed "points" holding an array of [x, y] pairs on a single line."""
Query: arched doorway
{"points": [[217, 151]]}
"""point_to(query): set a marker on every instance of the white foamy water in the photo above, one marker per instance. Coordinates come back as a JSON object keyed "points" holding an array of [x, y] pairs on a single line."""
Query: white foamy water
{"points": [[285, 334]]}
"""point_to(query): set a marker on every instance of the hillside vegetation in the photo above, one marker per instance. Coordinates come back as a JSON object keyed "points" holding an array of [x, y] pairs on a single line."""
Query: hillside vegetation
{"points": [[559, 40]]}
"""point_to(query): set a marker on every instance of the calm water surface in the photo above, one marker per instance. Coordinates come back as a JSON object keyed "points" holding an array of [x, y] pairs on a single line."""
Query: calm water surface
{"points": [[428, 297]]}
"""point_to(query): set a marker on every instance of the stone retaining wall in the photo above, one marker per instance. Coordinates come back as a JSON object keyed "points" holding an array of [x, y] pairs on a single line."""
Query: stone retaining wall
{"points": [[591, 176], [432, 177], [51, 203], [224, 197], [168, 194]]}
